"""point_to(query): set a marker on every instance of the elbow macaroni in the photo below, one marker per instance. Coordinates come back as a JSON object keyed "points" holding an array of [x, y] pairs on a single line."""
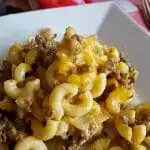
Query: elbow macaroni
{"points": [[139, 134], [33, 85], [96, 108], [138, 147], [122, 121], [123, 67], [50, 75], [62, 128], [100, 85], [44, 132], [58, 95], [80, 109], [11, 89], [81, 123], [83, 81], [23, 96], [124, 130], [100, 144], [14, 53], [20, 71], [29, 143], [135, 135], [113, 53], [48, 131], [117, 98], [27, 96]]}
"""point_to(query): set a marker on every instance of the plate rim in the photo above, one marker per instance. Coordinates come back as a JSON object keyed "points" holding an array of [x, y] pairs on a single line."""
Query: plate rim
{"points": [[110, 3]]}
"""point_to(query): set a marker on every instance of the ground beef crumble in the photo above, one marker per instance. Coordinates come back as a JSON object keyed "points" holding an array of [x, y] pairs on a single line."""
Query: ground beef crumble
{"points": [[8, 132], [5, 70]]}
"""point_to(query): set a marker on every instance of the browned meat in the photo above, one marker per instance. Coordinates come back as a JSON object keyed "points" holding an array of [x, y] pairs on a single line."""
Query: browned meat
{"points": [[109, 129], [76, 138], [127, 80], [46, 46], [5, 73], [74, 147], [83, 68], [56, 144], [93, 131], [119, 141], [3, 146], [26, 101], [1, 91], [110, 66], [41, 97], [105, 93], [23, 83], [81, 147], [5, 70], [72, 138], [77, 37], [8, 132], [145, 116]]}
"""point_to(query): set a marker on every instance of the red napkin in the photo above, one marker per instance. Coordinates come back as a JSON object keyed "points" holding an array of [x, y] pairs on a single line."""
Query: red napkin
{"points": [[60, 3]]}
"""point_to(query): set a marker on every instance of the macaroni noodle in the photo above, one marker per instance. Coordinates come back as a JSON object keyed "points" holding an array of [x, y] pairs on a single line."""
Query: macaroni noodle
{"points": [[14, 53], [100, 144], [100, 85], [117, 98], [44, 132], [62, 128], [27, 96], [139, 147], [20, 71], [29, 143], [83, 107], [50, 75], [11, 89], [124, 130], [123, 67], [58, 95], [139, 134]]}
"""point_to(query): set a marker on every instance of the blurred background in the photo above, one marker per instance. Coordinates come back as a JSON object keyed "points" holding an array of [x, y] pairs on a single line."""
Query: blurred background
{"points": [[36, 4], [132, 7]]}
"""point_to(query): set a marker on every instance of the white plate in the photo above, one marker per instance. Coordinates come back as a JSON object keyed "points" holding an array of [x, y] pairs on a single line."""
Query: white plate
{"points": [[106, 19]]}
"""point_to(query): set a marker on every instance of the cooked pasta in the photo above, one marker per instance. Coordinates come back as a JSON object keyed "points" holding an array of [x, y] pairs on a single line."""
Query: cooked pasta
{"points": [[20, 70], [58, 95], [44, 132], [11, 89], [29, 143], [76, 91], [82, 108]]}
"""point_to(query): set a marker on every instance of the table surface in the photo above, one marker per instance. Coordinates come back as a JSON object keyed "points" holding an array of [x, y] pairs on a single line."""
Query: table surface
{"points": [[132, 7]]}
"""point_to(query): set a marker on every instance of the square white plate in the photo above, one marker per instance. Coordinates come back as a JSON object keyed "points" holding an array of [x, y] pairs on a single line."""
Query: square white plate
{"points": [[106, 19]]}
